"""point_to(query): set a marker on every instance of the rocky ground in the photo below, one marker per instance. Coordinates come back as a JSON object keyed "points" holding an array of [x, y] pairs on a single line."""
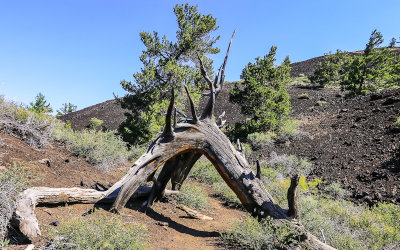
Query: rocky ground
{"points": [[349, 140]]}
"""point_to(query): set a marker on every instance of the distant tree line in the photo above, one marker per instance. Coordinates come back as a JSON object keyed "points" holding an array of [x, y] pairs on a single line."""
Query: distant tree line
{"points": [[41, 106], [375, 68]]}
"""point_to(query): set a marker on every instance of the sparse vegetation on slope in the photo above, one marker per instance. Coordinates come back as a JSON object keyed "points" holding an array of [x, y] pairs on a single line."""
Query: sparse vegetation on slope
{"points": [[375, 68], [104, 149], [193, 196], [203, 171], [32, 127], [100, 231], [12, 182], [340, 223]]}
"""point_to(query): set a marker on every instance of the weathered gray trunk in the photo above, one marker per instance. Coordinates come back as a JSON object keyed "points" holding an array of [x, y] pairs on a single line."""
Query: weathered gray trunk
{"points": [[179, 147]]}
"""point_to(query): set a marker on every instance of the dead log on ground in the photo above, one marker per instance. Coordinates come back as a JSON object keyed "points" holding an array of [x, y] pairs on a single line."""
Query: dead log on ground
{"points": [[178, 148]]}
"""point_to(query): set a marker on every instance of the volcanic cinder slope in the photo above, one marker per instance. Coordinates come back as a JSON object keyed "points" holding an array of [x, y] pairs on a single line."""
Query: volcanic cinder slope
{"points": [[349, 141]]}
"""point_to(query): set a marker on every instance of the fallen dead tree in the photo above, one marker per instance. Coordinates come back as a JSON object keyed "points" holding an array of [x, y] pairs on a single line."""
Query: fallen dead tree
{"points": [[178, 148]]}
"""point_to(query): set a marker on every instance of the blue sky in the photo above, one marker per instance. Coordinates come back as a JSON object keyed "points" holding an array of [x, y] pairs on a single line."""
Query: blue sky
{"points": [[78, 50]]}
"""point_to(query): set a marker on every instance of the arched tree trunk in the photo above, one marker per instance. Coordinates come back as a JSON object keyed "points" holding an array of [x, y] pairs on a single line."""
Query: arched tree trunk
{"points": [[180, 146]]}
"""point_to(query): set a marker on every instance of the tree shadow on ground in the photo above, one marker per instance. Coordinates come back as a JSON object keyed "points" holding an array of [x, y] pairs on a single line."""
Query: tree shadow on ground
{"points": [[156, 216]]}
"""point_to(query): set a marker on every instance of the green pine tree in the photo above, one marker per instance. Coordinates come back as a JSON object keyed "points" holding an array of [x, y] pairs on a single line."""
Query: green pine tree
{"points": [[66, 109], [40, 105], [167, 64], [262, 94]]}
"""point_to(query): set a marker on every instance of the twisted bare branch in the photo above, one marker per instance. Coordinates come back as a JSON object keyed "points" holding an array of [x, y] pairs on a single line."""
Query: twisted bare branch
{"points": [[168, 128], [192, 109]]}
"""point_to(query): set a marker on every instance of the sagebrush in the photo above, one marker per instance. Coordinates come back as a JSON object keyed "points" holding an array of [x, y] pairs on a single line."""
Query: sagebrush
{"points": [[100, 230], [12, 181]]}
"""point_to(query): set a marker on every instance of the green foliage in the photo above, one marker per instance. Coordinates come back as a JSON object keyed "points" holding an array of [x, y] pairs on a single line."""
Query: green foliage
{"points": [[68, 124], [262, 94], [321, 103], [304, 96], [396, 124], [166, 65], [203, 171], [4, 243], [66, 109], [348, 226], [32, 127], [94, 122], [377, 67], [336, 191], [301, 80], [104, 149], [40, 105], [329, 69], [225, 193], [100, 231], [193, 196], [12, 181], [259, 140], [253, 234]]}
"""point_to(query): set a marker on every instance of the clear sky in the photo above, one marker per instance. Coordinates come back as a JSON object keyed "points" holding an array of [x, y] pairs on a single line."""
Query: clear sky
{"points": [[78, 50]]}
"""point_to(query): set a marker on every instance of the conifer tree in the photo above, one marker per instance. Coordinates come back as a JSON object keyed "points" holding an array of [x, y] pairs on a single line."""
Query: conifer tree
{"points": [[40, 105], [166, 65], [262, 94]]}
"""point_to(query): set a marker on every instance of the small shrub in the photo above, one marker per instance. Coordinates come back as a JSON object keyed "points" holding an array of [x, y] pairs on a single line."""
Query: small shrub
{"points": [[336, 191], [348, 226], [68, 124], [304, 96], [288, 130], [301, 80], [259, 140], [193, 196], [12, 181], [205, 172], [225, 193], [94, 122], [264, 234], [103, 149], [321, 103], [289, 165], [4, 243], [101, 231], [396, 124], [32, 127]]}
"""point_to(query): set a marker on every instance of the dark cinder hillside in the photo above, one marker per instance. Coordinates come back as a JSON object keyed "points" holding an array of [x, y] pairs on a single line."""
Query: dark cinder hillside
{"points": [[349, 141], [109, 112]]}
